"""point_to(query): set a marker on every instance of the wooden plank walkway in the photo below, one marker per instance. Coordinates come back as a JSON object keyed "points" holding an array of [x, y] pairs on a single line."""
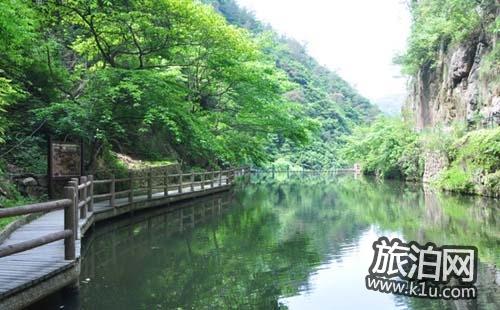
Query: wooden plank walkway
{"points": [[25, 269]]}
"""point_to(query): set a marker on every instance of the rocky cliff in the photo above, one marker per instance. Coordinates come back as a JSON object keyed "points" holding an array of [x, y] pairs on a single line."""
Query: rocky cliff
{"points": [[462, 84]]}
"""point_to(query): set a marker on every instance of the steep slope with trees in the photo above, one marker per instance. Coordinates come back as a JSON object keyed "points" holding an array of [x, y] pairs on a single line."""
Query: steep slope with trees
{"points": [[154, 79], [327, 98]]}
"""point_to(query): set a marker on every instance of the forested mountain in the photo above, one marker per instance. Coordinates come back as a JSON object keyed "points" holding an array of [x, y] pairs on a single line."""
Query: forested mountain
{"points": [[169, 79], [325, 97]]}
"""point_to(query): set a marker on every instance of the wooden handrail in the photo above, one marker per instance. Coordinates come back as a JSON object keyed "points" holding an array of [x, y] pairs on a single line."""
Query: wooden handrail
{"points": [[84, 185], [83, 202], [107, 181], [68, 234], [303, 171], [107, 195], [33, 243], [35, 208], [80, 198]]}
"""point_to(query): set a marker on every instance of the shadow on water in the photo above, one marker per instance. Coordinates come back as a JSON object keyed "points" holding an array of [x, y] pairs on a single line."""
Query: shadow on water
{"points": [[298, 242]]}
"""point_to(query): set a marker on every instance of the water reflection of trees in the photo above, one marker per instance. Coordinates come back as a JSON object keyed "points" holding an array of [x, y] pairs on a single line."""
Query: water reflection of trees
{"points": [[419, 213], [425, 215], [234, 261], [268, 242]]}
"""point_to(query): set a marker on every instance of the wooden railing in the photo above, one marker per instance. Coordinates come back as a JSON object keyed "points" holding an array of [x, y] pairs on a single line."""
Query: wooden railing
{"points": [[306, 172], [80, 195], [349, 169], [152, 183], [69, 234]]}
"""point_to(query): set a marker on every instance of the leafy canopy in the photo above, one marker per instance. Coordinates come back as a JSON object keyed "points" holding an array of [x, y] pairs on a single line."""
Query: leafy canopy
{"points": [[437, 23], [154, 78]]}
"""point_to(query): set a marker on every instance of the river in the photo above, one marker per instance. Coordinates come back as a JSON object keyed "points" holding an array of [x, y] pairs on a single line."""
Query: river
{"points": [[300, 243]]}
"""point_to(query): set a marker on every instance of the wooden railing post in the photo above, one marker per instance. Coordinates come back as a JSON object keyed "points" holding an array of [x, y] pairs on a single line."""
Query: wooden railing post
{"points": [[203, 180], [180, 182], [220, 177], [213, 179], [76, 199], [130, 186], [150, 184], [165, 184], [91, 193], [192, 181], [112, 186], [83, 208], [69, 223]]}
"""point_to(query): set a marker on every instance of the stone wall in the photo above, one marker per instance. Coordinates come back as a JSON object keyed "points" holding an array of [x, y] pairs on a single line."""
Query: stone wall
{"points": [[435, 162]]}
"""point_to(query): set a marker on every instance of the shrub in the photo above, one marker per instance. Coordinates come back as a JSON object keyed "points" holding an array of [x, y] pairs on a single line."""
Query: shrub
{"points": [[474, 163], [388, 148], [456, 179]]}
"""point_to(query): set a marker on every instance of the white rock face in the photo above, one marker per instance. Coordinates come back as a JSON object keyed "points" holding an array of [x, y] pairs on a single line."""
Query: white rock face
{"points": [[454, 88]]}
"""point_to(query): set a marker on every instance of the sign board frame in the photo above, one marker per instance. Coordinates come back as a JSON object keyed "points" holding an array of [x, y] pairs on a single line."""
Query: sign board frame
{"points": [[64, 162]]}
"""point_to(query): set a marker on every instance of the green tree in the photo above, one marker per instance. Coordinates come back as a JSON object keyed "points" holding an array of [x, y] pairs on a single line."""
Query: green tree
{"points": [[170, 70], [439, 23], [388, 148]]}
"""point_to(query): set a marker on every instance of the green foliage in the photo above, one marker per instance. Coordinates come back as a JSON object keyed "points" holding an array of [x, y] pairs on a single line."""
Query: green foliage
{"points": [[491, 184], [474, 163], [438, 23], [166, 79], [456, 179], [6, 91], [490, 64], [29, 154], [324, 97], [10, 197], [387, 148], [17, 25], [390, 148], [439, 139], [155, 79]]}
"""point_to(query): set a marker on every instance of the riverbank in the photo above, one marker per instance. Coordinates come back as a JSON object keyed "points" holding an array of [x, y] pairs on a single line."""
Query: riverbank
{"points": [[473, 164], [452, 159]]}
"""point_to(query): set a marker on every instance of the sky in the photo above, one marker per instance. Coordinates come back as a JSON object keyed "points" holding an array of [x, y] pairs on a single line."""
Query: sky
{"points": [[355, 38]]}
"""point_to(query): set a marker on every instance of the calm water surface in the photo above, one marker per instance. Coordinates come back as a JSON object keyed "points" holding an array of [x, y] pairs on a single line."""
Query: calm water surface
{"points": [[281, 244]]}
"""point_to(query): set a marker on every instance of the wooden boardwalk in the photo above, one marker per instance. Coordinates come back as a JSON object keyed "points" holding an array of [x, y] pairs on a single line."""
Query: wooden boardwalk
{"points": [[21, 271]]}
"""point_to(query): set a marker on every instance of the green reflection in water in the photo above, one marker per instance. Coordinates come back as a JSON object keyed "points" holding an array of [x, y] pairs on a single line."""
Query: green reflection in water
{"points": [[281, 243]]}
